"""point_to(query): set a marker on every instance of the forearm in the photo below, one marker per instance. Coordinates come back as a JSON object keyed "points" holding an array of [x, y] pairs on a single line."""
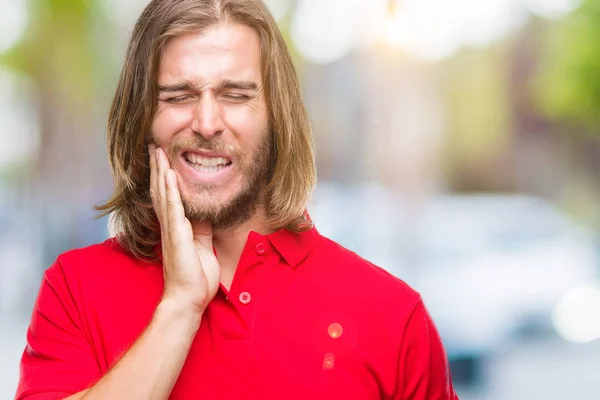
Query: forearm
{"points": [[151, 367]]}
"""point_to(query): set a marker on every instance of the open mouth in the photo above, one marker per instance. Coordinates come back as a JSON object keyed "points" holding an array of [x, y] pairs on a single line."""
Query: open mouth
{"points": [[206, 164]]}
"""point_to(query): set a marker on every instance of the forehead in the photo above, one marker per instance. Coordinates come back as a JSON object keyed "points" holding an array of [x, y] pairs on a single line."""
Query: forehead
{"points": [[220, 52]]}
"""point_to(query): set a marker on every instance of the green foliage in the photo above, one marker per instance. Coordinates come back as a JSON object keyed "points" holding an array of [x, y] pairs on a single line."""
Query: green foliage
{"points": [[567, 87], [59, 50], [475, 91]]}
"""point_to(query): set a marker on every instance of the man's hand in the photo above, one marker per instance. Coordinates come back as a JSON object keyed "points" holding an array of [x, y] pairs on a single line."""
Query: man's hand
{"points": [[149, 369], [190, 268]]}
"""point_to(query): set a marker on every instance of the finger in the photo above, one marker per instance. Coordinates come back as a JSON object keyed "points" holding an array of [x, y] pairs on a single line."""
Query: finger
{"points": [[203, 233], [153, 187], [175, 211], [161, 190]]}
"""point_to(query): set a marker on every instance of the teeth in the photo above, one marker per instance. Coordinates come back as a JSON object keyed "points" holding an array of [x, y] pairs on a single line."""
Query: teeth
{"points": [[207, 170], [206, 161]]}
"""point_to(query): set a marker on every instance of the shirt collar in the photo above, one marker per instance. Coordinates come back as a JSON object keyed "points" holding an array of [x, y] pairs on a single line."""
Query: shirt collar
{"points": [[294, 247]]}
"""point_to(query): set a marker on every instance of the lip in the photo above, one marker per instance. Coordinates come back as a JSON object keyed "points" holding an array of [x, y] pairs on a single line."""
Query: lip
{"points": [[191, 174], [205, 153]]}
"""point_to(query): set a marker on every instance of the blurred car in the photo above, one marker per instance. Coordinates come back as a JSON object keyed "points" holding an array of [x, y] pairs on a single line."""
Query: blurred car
{"points": [[18, 255], [490, 268]]}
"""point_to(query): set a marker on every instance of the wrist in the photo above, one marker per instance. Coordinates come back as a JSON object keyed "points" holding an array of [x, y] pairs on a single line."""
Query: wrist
{"points": [[174, 311]]}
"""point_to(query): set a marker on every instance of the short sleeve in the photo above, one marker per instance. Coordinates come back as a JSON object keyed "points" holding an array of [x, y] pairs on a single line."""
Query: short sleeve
{"points": [[58, 360], [423, 365]]}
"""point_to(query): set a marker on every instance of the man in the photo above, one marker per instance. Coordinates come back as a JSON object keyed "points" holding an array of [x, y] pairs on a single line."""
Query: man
{"points": [[217, 285]]}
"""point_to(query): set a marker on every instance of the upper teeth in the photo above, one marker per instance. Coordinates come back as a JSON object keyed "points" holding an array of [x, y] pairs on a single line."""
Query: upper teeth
{"points": [[206, 161]]}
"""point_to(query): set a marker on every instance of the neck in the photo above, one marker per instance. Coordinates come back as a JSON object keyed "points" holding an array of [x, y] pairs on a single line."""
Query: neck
{"points": [[234, 238], [229, 244]]}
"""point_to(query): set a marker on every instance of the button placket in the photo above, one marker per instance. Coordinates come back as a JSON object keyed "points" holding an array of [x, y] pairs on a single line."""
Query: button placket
{"points": [[245, 297]]}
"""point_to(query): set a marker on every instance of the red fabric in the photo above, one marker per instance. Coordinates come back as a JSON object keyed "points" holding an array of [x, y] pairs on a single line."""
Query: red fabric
{"points": [[305, 318]]}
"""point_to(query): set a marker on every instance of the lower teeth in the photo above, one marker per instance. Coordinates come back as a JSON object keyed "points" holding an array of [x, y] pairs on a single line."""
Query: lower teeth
{"points": [[207, 170]]}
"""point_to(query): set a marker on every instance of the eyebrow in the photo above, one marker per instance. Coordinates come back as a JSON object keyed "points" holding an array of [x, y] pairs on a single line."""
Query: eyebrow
{"points": [[241, 85], [178, 87], [224, 84]]}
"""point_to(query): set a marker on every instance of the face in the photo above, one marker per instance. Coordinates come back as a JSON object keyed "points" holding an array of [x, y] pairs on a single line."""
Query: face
{"points": [[212, 121]]}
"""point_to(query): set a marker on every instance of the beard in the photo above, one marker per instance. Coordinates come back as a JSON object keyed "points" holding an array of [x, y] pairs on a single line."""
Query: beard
{"points": [[243, 204]]}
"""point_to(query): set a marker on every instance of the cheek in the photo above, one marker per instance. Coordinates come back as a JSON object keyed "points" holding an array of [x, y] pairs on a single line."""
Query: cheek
{"points": [[247, 124], [168, 122]]}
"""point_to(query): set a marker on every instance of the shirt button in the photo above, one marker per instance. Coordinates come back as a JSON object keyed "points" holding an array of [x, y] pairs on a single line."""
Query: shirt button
{"points": [[245, 297], [260, 249]]}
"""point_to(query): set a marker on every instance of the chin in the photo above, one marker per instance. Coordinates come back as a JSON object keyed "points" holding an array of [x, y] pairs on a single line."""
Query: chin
{"points": [[207, 194], [223, 210], [206, 202]]}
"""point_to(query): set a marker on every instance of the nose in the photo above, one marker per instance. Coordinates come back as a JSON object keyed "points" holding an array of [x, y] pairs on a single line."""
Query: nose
{"points": [[207, 119]]}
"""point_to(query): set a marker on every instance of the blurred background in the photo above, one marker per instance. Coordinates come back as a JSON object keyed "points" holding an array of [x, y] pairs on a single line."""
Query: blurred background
{"points": [[458, 147]]}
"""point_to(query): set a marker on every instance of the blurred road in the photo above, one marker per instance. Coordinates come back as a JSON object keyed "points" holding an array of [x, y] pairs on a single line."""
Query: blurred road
{"points": [[542, 370], [12, 343]]}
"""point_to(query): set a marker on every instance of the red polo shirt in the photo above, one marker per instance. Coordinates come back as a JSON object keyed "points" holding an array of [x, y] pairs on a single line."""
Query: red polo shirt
{"points": [[304, 319]]}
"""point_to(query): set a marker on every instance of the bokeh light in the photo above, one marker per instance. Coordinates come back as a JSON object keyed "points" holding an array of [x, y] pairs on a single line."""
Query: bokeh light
{"points": [[328, 361], [577, 316], [324, 31], [335, 330], [13, 21], [552, 8], [432, 30]]}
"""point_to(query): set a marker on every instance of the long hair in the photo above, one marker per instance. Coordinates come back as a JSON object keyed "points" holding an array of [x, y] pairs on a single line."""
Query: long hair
{"points": [[293, 166]]}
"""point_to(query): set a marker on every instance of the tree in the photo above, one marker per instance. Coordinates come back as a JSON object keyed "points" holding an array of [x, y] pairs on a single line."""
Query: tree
{"points": [[65, 53]]}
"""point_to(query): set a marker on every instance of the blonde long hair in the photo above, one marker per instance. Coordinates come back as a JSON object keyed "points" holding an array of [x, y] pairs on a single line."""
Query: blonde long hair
{"points": [[134, 106]]}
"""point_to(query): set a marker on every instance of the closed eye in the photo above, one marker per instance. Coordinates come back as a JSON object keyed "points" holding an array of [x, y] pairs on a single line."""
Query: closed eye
{"points": [[236, 97], [178, 99]]}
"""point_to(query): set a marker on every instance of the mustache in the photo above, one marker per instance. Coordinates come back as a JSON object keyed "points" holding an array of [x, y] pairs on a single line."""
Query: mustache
{"points": [[177, 146]]}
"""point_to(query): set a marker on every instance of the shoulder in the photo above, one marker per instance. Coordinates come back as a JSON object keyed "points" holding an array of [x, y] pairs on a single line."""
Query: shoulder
{"points": [[101, 264], [105, 255], [101, 282], [350, 274], [375, 308], [97, 253]]}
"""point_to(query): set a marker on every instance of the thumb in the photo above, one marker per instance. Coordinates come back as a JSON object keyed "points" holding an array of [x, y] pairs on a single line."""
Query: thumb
{"points": [[203, 233]]}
